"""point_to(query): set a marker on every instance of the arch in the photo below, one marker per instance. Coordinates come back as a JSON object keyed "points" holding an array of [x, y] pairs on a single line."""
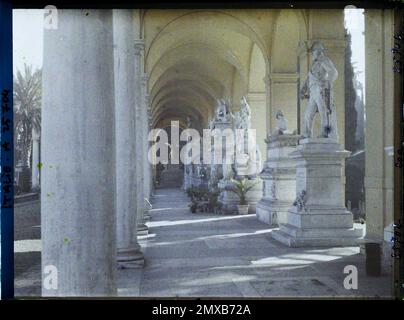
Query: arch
{"points": [[238, 24], [291, 25]]}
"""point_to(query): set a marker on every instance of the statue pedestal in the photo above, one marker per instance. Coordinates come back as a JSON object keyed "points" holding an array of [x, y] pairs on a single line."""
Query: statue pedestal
{"points": [[319, 217], [279, 179], [227, 198]]}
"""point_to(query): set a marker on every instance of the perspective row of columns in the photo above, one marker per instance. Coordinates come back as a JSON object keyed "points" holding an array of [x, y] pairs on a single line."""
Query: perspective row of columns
{"points": [[95, 173]]}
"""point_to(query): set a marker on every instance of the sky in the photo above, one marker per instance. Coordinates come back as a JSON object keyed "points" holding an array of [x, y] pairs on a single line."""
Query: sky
{"points": [[28, 38], [355, 23]]}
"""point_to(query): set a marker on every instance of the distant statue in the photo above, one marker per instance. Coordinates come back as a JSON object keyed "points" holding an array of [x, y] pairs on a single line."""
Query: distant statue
{"points": [[189, 122], [222, 111], [212, 124], [242, 118], [318, 88], [282, 123], [254, 164], [300, 202]]}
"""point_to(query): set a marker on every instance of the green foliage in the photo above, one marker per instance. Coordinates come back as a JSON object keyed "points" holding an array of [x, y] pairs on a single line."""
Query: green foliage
{"points": [[241, 189], [203, 199], [27, 111], [197, 193]]}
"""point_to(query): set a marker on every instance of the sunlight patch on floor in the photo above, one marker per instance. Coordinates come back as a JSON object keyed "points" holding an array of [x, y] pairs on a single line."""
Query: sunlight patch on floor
{"points": [[21, 246]]}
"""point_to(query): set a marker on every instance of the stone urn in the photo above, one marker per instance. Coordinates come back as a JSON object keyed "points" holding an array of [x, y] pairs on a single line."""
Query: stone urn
{"points": [[242, 208]]}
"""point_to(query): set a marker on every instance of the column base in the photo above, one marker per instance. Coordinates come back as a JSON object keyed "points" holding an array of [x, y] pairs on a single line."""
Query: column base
{"points": [[317, 237], [142, 229], [130, 258]]}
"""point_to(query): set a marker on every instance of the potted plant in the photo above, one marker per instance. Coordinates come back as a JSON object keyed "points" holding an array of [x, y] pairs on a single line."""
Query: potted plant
{"points": [[241, 189], [193, 207]]}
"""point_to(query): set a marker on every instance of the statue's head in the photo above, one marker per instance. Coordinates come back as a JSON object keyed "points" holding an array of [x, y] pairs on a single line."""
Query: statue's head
{"points": [[279, 115], [221, 103], [317, 50]]}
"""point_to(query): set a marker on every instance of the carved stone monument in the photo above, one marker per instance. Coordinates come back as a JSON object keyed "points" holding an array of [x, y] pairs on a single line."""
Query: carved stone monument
{"points": [[318, 216], [247, 163], [221, 167], [279, 179]]}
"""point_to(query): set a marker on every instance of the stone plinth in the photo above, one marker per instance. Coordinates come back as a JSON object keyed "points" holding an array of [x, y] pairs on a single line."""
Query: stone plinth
{"points": [[228, 199], [318, 216], [279, 179]]}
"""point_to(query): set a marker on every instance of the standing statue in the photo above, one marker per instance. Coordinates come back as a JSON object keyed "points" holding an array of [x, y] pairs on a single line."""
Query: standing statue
{"points": [[189, 122], [222, 111], [318, 88], [242, 118]]}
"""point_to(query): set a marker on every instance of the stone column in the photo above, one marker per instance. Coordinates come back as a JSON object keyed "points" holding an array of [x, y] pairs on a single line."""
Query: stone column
{"points": [[379, 127], [128, 250], [142, 229], [151, 169], [145, 129], [145, 147], [78, 156], [268, 105], [257, 102], [35, 160]]}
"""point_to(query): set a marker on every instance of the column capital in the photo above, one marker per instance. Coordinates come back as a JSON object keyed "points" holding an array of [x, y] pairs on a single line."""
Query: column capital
{"points": [[256, 96], [139, 46], [284, 77]]}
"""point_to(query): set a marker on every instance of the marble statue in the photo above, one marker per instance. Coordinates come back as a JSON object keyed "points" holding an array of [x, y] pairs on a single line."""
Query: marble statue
{"points": [[300, 202], [254, 164], [222, 111], [282, 124], [212, 124], [318, 89], [242, 118], [189, 122]]}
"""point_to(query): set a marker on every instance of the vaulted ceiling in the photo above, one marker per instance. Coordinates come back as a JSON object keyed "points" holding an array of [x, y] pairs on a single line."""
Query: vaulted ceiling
{"points": [[194, 57]]}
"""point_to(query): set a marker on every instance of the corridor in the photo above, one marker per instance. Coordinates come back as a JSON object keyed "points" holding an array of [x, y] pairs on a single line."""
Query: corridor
{"points": [[205, 255]]}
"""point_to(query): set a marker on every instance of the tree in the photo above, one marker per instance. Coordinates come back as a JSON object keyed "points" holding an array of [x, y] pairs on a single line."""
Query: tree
{"points": [[27, 113]]}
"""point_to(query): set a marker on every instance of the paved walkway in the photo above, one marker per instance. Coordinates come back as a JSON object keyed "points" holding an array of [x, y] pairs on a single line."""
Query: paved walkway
{"points": [[200, 255], [210, 255]]}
